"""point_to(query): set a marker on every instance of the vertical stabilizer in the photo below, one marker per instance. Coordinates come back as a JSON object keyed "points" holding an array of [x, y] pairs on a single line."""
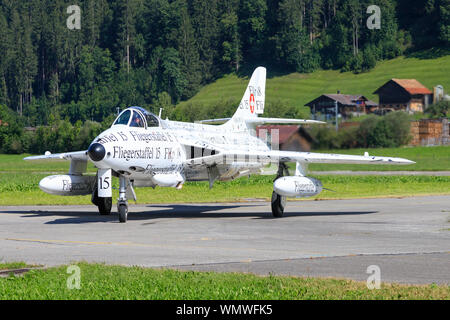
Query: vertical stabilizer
{"points": [[252, 102]]}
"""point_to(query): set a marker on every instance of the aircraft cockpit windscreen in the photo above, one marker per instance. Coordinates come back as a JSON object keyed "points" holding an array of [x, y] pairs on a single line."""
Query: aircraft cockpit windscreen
{"points": [[137, 117], [152, 120], [137, 121], [124, 118]]}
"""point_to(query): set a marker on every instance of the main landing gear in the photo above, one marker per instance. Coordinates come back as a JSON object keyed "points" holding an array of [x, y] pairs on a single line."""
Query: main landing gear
{"points": [[278, 202], [104, 204]]}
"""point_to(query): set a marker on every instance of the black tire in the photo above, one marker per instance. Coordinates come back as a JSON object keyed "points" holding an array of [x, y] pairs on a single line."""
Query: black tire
{"points": [[123, 213], [104, 206], [278, 204]]}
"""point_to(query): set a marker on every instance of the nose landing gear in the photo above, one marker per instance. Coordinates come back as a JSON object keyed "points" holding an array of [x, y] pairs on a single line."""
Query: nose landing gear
{"points": [[122, 204]]}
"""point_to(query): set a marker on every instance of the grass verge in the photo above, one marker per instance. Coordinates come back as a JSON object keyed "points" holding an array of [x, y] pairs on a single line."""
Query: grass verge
{"points": [[21, 189], [100, 281], [13, 265], [426, 158]]}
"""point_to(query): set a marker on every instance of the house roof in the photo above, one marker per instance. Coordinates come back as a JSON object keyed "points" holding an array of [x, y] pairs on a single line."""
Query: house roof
{"points": [[344, 99], [412, 86]]}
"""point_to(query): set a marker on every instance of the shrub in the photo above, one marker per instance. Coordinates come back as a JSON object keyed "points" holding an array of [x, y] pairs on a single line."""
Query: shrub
{"points": [[398, 128], [439, 110], [392, 130], [365, 130]]}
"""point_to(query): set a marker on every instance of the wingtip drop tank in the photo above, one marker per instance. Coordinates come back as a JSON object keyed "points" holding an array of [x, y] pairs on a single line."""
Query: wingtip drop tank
{"points": [[168, 180], [68, 185], [296, 186]]}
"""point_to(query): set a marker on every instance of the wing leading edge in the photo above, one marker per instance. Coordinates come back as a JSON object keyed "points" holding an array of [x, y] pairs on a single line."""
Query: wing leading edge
{"points": [[77, 155], [274, 156]]}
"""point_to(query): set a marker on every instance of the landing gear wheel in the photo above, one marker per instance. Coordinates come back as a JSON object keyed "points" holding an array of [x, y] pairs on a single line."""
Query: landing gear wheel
{"points": [[278, 204], [104, 206], [123, 213]]}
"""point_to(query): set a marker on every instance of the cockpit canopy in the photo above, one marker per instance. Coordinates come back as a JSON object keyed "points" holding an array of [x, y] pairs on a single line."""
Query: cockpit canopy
{"points": [[137, 117]]}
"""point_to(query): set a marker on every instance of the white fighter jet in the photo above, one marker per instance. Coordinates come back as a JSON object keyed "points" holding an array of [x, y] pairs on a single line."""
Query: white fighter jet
{"points": [[143, 150]]}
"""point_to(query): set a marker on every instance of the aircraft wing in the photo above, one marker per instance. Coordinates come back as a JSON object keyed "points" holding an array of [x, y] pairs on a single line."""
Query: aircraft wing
{"points": [[77, 155], [214, 121], [275, 156], [259, 121]]}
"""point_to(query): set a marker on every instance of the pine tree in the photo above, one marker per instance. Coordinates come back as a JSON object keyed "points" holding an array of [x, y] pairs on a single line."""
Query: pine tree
{"points": [[230, 37], [252, 27], [293, 39], [127, 10], [5, 59], [444, 24], [354, 11], [187, 48], [205, 17], [314, 13], [94, 14]]}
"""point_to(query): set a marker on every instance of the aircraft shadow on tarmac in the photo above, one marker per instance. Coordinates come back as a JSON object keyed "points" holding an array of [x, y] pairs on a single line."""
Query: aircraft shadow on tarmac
{"points": [[175, 211]]}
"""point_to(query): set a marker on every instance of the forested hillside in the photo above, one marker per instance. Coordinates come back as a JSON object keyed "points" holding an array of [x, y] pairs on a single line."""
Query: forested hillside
{"points": [[160, 52]]}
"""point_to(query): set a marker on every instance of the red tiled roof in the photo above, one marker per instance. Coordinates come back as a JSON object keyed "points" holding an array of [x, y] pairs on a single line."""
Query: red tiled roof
{"points": [[412, 86]]}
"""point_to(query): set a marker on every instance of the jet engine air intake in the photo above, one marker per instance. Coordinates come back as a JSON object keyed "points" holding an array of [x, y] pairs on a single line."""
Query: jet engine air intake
{"points": [[96, 152]]}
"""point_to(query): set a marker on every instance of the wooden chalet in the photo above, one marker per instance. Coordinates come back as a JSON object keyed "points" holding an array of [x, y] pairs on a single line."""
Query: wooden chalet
{"points": [[348, 105], [403, 94]]}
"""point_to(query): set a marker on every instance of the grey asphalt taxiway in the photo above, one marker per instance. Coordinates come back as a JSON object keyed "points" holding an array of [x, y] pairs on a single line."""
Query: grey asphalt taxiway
{"points": [[408, 238]]}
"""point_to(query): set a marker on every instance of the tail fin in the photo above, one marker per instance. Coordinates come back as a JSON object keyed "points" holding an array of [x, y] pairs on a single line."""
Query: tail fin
{"points": [[252, 102]]}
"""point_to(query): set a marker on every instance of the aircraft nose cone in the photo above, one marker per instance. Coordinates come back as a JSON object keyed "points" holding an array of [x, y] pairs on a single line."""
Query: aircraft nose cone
{"points": [[96, 152]]}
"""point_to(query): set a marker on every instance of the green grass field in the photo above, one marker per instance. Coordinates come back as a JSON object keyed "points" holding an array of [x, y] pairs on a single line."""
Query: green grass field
{"points": [[298, 89], [15, 163], [117, 282], [22, 189], [426, 158]]}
